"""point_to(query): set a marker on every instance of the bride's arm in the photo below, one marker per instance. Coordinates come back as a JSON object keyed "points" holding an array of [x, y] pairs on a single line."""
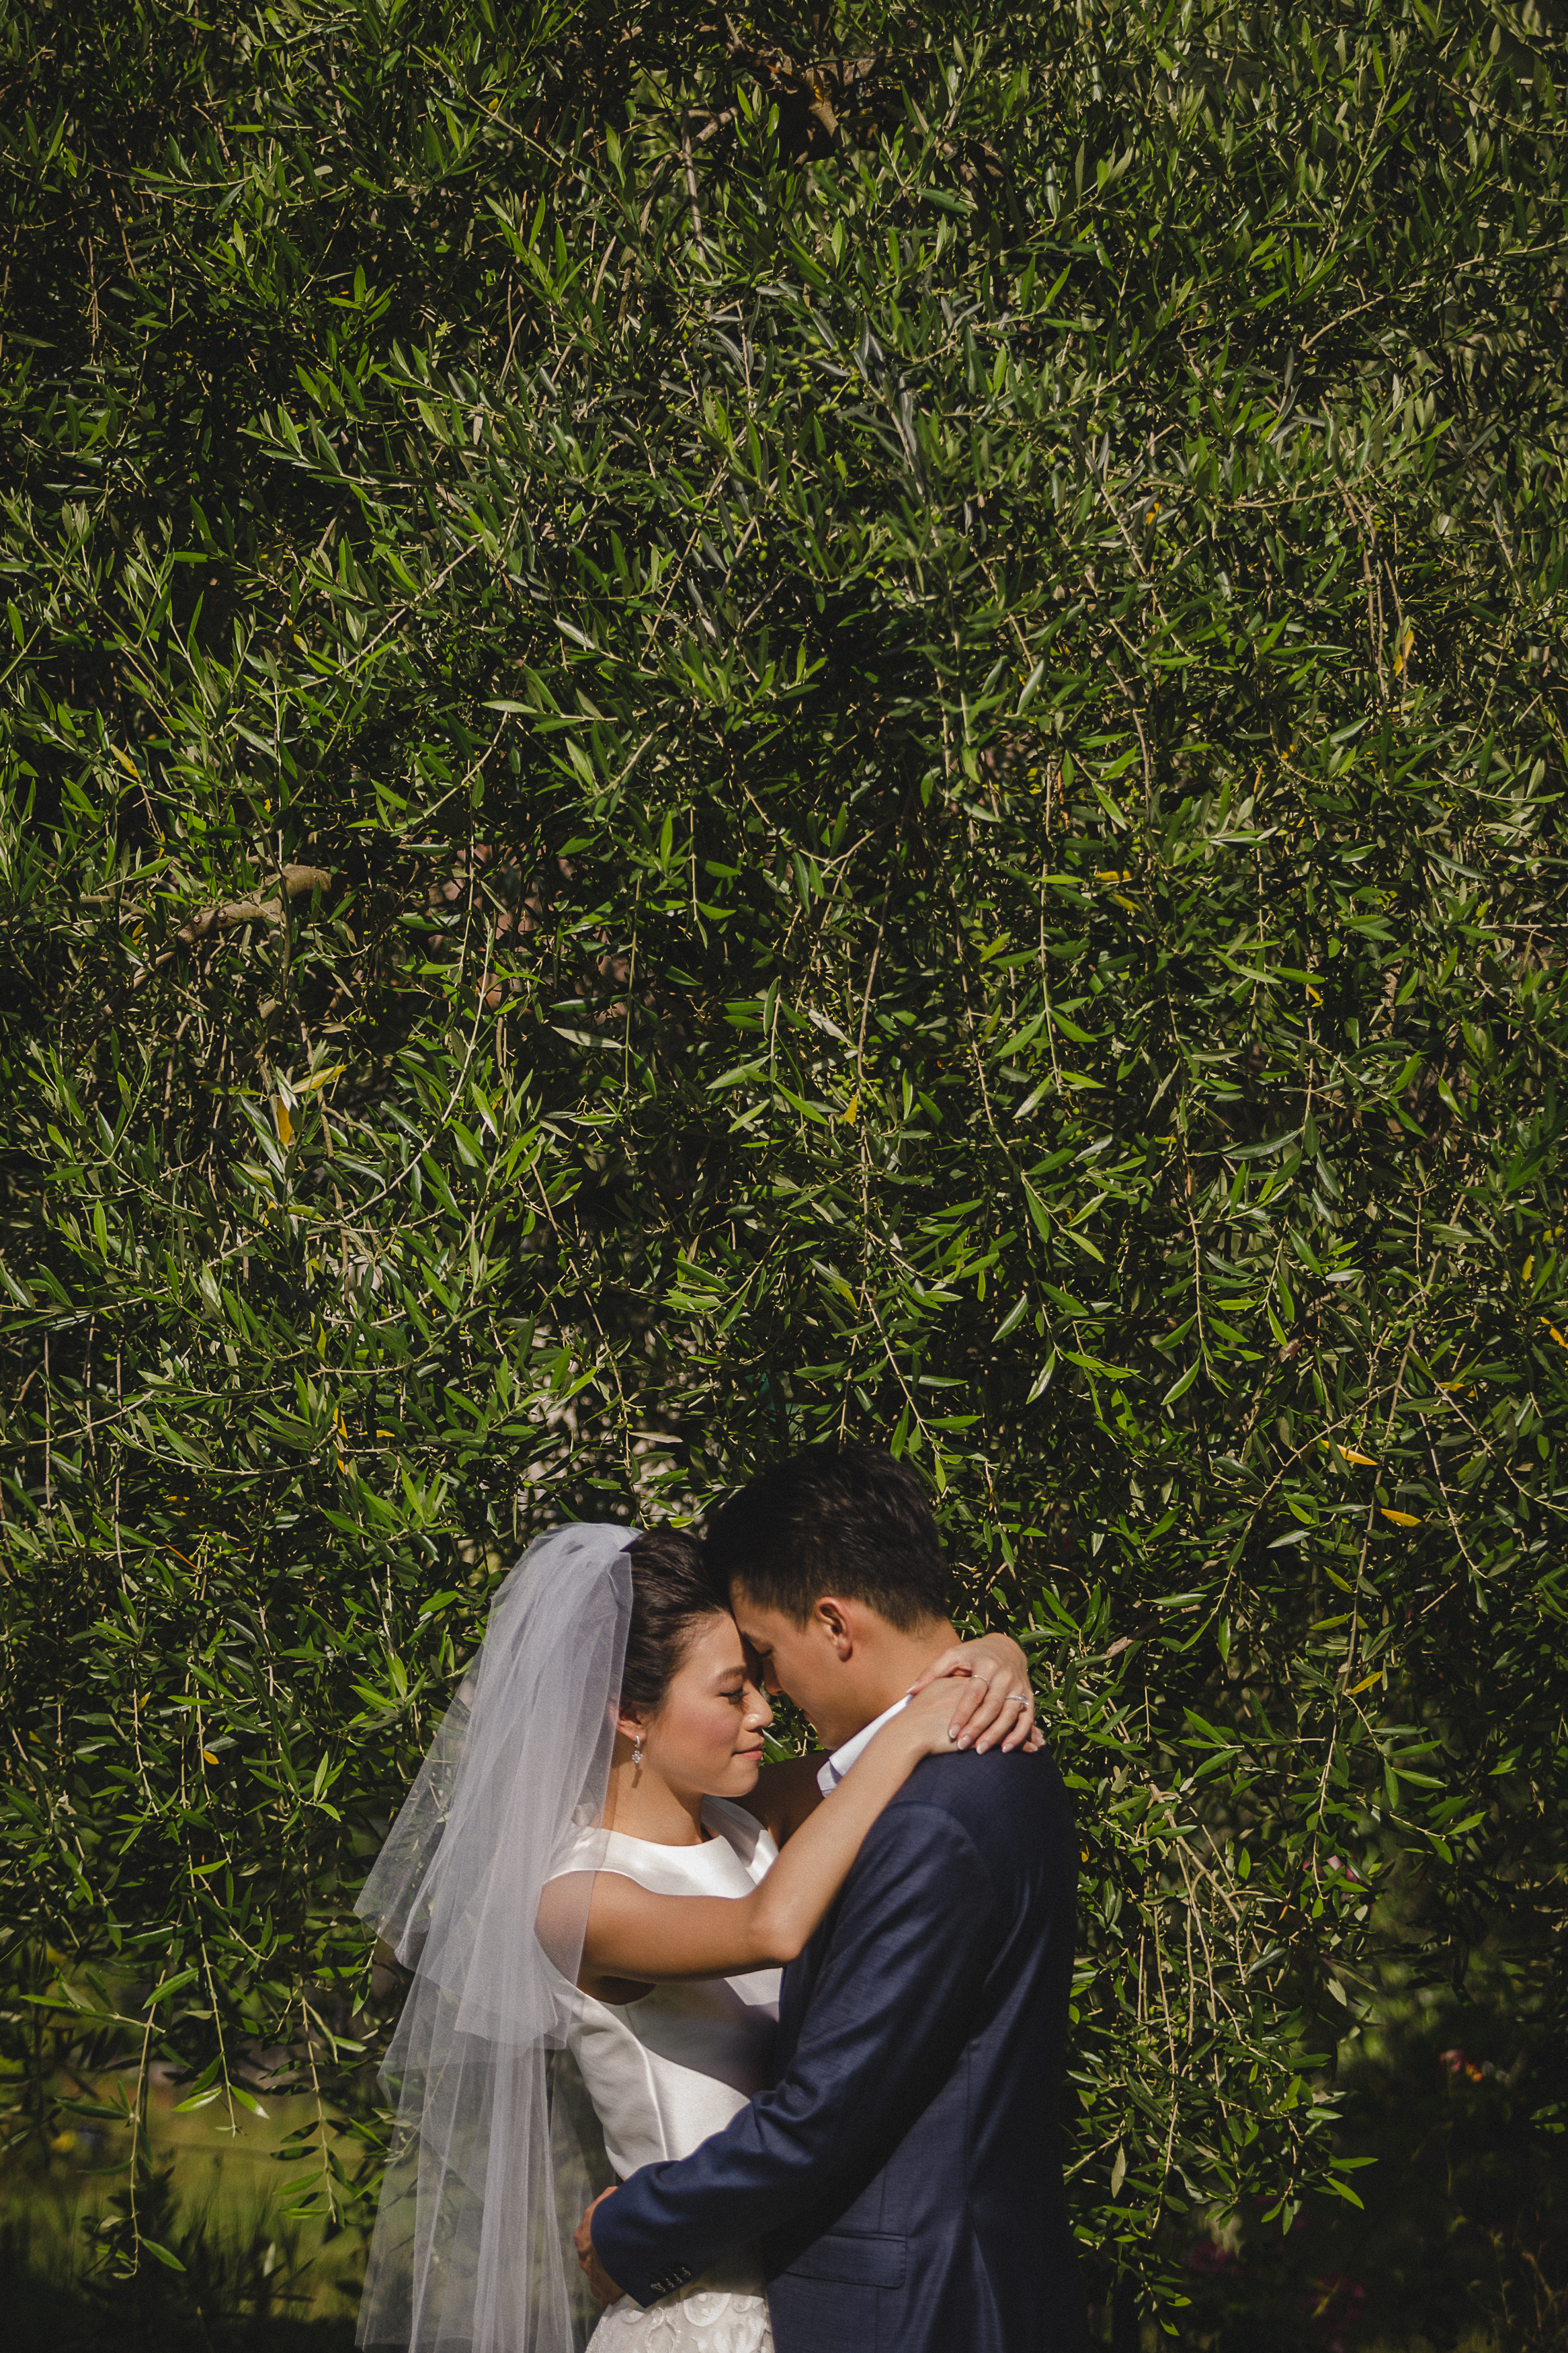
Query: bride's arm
{"points": [[993, 1707], [636, 1938]]}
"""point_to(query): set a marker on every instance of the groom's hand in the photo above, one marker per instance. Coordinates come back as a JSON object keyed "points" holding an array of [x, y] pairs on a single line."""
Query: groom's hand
{"points": [[593, 2270]]}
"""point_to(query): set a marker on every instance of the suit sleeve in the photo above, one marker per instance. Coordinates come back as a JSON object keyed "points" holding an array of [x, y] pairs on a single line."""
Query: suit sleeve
{"points": [[889, 2015]]}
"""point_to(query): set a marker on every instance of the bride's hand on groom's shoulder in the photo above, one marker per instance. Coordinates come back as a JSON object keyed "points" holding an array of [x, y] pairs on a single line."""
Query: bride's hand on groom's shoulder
{"points": [[989, 1692], [588, 2263], [927, 1722]]}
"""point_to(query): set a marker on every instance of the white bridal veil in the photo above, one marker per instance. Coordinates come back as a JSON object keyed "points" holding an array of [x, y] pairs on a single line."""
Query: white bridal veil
{"points": [[487, 2175]]}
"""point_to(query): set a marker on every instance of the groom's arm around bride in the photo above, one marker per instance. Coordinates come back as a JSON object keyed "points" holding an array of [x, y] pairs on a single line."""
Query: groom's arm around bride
{"points": [[903, 2177]]}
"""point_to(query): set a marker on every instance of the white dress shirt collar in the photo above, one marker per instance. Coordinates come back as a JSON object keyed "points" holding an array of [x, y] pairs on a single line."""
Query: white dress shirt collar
{"points": [[832, 1772]]}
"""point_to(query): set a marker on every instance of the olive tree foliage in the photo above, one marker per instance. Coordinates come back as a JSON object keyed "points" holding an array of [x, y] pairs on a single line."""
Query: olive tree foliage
{"points": [[729, 733]]}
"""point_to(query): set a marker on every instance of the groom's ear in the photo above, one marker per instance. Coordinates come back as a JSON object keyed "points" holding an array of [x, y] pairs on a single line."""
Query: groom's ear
{"points": [[835, 1621]]}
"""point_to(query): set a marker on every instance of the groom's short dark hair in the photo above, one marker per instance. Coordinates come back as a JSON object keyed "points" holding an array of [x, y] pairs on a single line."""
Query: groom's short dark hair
{"points": [[846, 1520]]}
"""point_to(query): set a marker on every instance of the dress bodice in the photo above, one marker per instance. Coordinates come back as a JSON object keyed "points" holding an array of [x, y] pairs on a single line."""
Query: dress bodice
{"points": [[665, 2072]]}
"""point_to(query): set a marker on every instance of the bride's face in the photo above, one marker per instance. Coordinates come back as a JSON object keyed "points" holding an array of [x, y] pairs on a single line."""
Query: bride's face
{"points": [[706, 1737]]}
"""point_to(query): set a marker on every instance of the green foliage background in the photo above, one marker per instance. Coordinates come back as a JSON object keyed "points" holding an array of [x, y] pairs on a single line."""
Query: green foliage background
{"points": [[725, 732]]}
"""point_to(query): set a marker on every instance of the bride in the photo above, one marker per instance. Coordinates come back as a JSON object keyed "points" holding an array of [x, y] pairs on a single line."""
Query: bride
{"points": [[586, 1884]]}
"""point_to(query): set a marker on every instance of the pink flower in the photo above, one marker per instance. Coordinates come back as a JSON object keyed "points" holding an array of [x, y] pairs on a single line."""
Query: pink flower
{"points": [[1335, 2307]]}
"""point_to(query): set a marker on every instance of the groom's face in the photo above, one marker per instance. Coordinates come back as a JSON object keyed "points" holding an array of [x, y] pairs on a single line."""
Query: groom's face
{"points": [[804, 1664]]}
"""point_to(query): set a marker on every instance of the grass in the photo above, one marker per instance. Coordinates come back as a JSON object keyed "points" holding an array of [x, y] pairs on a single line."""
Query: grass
{"points": [[245, 2274]]}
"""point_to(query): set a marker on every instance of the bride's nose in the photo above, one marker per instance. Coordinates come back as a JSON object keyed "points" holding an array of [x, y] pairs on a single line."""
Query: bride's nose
{"points": [[759, 1714]]}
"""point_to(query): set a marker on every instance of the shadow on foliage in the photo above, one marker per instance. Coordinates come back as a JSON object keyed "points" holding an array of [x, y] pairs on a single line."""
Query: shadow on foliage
{"points": [[1462, 2237]]}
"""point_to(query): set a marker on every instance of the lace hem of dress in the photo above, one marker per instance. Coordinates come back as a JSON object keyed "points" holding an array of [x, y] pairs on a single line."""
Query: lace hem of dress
{"points": [[695, 2320]]}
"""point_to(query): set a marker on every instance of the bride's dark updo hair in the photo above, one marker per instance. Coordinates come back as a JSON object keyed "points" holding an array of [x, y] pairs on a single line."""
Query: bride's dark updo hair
{"points": [[673, 1590]]}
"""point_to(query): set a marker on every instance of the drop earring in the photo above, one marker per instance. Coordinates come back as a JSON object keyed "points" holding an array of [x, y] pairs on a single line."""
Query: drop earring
{"points": [[637, 1751]]}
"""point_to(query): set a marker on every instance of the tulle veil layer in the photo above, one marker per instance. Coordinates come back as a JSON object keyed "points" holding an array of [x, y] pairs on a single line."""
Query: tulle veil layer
{"points": [[495, 2150]]}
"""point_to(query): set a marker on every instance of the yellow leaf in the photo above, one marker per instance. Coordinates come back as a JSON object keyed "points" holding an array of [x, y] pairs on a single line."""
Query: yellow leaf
{"points": [[1350, 1455], [1131, 904], [1556, 1335], [126, 761], [1400, 1519], [285, 1124], [851, 1111], [210, 1757], [321, 1078], [1366, 1683]]}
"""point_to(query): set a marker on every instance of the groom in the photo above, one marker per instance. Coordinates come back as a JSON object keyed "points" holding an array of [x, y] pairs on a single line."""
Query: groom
{"points": [[903, 2179]]}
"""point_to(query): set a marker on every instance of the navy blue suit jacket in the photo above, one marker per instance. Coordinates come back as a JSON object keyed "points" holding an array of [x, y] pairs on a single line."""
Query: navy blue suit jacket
{"points": [[903, 2177]]}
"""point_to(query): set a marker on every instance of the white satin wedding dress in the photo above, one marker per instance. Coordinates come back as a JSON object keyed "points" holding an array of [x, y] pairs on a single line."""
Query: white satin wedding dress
{"points": [[665, 2072]]}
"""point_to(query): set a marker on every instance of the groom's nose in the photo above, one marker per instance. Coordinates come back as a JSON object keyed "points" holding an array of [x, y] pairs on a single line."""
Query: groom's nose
{"points": [[761, 1671]]}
